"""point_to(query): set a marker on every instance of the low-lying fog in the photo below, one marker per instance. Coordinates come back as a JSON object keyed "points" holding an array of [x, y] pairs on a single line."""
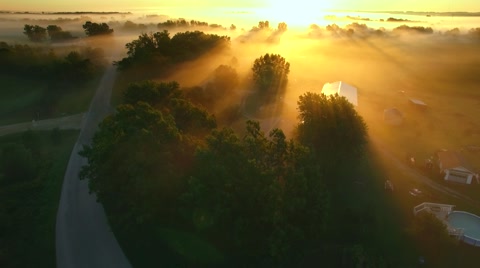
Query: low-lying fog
{"points": [[364, 50]]}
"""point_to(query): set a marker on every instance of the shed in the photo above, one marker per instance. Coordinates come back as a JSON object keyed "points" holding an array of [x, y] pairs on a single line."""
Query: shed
{"points": [[454, 168], [393, 116], [342, 89]]}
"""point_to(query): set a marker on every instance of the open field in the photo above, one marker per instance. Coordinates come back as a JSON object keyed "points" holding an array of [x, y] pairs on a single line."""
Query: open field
{"points": [[23, 100]]}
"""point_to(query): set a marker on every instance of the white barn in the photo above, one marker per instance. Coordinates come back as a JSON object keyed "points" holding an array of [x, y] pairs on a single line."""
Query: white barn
{"points": [[342, 89], [452, 165]]}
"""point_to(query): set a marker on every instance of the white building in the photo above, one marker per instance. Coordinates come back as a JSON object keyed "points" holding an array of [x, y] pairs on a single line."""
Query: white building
{"points": [[452, 165], [342, 89]]}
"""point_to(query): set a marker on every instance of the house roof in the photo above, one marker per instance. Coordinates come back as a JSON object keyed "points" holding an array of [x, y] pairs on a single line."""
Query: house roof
{"points": [[417, 102], [342, 89], [450, 159]]}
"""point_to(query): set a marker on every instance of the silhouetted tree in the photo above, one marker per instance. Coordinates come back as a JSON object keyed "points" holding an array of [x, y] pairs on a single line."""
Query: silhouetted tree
{"points": [[57, 34], [252, 192], [270, 73], [332, 128], [35, 33], [282, 27], [92, 28]]}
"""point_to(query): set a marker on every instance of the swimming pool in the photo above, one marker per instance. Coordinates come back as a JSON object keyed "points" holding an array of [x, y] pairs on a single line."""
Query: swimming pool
{"points": [[470, 223]]}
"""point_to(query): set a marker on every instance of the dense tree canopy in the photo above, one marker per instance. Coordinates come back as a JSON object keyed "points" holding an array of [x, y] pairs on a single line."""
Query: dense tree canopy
{"points": [[331, 127], [92, 28], [160, 48], [253, 192], [270, 73], [35, 33], [142, 153]]}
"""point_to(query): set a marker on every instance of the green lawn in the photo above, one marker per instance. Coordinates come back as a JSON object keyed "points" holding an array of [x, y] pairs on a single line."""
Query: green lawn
{"points": [[22, 100], [28, 209]]}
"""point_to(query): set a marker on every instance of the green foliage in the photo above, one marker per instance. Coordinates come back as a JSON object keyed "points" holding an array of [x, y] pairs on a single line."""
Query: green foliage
{"points": [[28, 208], [270, 73], [92, 28], [142, 153], [35, 33], [36, 78], [433, 240], [56, 136], [251, 192], [159, 48], [17, 163], [168, 98], [132, 159], [332, 128]]}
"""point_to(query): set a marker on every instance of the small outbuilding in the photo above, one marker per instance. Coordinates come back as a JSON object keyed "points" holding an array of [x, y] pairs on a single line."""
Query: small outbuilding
{"points": [[393, 116], [342, 89], [453, 167], [418, 104]]}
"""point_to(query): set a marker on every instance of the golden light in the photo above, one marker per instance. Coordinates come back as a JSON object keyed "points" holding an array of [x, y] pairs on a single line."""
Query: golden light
{"points": [[296, 12]]}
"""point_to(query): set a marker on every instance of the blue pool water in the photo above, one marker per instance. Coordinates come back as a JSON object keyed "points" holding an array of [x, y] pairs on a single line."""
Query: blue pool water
{"points": [[469, 222]]}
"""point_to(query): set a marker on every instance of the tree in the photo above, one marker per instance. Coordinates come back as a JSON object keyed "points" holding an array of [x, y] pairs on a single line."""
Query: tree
{"points": [[57, 34], [74, 68], [282, 27], [35, 33], [253, 190], [331, 127], [132, 164], [92, 28], [168, 98], [270, 73], [433, 240], [160, 49]]}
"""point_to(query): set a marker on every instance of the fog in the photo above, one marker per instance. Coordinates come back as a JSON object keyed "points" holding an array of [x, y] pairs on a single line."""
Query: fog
{"points": [[361, 49]]}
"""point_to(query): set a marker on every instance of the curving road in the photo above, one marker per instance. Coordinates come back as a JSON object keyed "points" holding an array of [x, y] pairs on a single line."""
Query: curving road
{"points": [[83, 236]]}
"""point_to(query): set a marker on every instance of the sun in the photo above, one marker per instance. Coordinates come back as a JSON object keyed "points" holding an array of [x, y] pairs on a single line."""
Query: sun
{"points": [[296, 12]]}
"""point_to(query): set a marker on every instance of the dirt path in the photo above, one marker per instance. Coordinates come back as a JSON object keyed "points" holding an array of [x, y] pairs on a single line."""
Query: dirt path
{"points": [[66, 122], [83, 236]]}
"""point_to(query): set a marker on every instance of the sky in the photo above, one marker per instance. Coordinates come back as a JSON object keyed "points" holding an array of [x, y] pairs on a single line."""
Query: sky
{"points": [[128, 5]]}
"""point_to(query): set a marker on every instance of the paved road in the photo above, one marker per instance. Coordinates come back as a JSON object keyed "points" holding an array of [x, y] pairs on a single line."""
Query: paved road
{"points": [[83, 235], [415, 174], [66, 122]]}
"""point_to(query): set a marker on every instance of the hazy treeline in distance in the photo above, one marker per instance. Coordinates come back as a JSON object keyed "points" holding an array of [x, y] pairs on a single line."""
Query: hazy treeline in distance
{"points": [[226, 145]]}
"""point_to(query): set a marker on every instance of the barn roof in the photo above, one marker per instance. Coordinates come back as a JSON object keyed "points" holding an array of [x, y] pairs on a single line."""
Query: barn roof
{"points": [[342, 89]]}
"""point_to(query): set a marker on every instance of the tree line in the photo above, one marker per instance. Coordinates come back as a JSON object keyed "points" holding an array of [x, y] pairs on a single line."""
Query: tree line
{"points": [[36, 33], [161, 49]]}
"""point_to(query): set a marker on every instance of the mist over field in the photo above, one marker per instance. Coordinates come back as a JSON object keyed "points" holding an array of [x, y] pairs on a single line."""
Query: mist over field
{"points": [[369, 50], [389, 57]]}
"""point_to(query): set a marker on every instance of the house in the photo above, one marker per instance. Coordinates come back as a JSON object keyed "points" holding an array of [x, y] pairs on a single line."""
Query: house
{"points": [[453, 167], [342, 89], [392, 116]]}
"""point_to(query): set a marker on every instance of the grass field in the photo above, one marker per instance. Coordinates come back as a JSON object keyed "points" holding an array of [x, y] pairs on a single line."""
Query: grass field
{"points": [[22, 99], [28, 209]]}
